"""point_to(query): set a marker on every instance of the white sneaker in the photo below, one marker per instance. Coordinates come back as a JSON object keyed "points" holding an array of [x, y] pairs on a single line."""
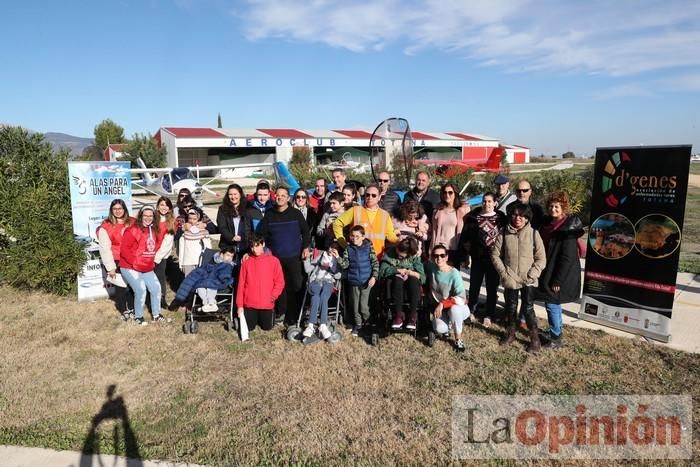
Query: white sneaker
{"points": [[324, 331], [309, 331], [210, 307]]}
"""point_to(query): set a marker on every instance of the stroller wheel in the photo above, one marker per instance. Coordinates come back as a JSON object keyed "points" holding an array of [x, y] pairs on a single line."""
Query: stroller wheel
{"points": [[431, 338], [194, 327], [186, 327], [335, 337], [293, 333], [374, 339]]}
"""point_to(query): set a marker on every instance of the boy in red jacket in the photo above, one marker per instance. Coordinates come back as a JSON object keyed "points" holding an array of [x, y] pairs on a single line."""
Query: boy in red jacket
{"points": [[260, 282]]}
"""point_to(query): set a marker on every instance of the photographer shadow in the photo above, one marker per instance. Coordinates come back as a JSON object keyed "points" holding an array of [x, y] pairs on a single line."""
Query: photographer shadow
{"points": [[113, 409]]}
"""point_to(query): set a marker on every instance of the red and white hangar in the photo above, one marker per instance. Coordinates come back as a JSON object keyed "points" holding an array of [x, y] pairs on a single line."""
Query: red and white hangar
{"points": [[188, 147]]}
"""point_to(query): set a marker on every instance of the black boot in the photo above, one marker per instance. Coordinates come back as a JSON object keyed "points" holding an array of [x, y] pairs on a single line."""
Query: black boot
{"points": [[535, 344], [554, 343], [509, 336]]}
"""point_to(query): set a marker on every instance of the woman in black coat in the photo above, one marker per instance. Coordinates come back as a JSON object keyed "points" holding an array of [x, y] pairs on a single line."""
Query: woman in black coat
{"points": [[301, 202], [560, 281], [230, 220]]}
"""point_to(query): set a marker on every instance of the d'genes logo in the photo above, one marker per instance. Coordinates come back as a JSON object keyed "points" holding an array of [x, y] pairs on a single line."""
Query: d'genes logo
{"points": [[616, 194]]}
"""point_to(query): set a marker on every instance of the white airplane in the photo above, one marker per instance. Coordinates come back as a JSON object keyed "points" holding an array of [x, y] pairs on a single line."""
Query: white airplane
{"points": [[168, 181]]}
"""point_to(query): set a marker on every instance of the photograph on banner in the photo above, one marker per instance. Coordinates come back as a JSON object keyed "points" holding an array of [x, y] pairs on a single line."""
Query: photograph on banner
{"points": [[637, 213], [93, 186]]}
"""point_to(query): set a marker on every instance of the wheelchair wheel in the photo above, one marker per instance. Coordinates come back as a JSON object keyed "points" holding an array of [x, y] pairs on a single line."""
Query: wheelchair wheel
{"points": [[335, 337], [293, 333], [431, 338]]}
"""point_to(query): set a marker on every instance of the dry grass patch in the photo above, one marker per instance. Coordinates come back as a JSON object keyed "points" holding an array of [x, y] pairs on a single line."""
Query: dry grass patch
{"points": [[210, 399]]}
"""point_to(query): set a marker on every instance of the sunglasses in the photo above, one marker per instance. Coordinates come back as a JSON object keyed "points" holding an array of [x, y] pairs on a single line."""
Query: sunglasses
{"points": [[522, 190], [372, 195], [439, 255], [300, 197], [448, 192], [383, 180]]}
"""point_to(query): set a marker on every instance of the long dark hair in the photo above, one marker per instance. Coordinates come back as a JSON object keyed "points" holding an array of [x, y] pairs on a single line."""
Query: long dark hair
{"points": [[113, 220], [170, 222], [457, 203], [229, 209]]}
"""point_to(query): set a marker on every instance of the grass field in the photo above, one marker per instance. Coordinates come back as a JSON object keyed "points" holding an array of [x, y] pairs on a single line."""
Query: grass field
{"points": [[211, 399]]}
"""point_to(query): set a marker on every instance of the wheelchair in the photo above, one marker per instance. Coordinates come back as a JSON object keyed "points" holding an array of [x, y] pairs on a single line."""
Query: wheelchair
{"points": [[225, 301], [381, 315], [336, 308]]}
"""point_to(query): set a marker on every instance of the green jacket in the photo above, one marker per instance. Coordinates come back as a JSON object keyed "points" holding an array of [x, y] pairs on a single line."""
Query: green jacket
{"points": [[390, 265]]}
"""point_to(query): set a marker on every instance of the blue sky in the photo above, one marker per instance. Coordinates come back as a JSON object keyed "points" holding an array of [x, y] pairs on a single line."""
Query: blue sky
{"points": [[551, 75]]}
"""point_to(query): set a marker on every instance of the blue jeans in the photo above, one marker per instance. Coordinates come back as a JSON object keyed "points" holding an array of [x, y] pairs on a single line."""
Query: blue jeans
{"points": [[554, 318], [140, 282], [320, 293]]}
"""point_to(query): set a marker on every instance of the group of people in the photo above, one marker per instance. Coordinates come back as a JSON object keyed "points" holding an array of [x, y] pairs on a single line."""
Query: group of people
{"points": [[279, 245]]}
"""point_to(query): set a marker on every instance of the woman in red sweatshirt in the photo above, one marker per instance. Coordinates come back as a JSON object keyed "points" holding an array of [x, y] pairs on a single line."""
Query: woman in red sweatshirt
{"points": [[260, 282], [138, 250]]}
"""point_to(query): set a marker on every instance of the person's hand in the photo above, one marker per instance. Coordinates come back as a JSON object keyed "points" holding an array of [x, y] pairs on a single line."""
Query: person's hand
{"points": [[245, 257], [438, 311], [112, 274], [236, 238], [556, 288], [202, 225], [333, 253], [305, 253], [187, 227], [239, 311], [371, 282]]}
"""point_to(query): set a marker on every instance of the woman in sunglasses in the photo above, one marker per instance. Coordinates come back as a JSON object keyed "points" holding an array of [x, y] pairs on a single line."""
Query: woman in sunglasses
{"points": [[301, 202], [448, 221], [447, 296], [518, 256]]}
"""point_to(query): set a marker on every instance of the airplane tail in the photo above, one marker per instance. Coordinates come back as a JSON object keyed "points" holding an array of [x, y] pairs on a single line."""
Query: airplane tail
{"points": [[146, 177], [285, 177]]}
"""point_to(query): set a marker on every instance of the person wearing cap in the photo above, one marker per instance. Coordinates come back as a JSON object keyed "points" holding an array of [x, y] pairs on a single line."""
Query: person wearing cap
{"points": [[388, 199], [138, 250], [503, 195]]}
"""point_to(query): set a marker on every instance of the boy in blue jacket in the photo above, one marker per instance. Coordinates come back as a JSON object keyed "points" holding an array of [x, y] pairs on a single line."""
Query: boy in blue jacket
{"points": [[209, 279]]}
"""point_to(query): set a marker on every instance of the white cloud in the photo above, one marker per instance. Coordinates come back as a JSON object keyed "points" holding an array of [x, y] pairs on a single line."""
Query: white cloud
{"points": [[623, 90], [619, 38]]}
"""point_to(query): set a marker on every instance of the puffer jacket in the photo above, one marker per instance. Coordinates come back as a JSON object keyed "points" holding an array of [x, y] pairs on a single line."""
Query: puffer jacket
{"points": [[214, 275], [518, 256], [563, 266]]}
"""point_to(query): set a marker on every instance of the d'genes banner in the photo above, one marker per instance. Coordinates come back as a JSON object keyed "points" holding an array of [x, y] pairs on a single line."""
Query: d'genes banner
{"points": [[637, 213]]}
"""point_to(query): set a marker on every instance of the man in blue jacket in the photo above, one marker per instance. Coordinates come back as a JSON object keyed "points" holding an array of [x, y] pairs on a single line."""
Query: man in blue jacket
{"points": [[287, 236]]}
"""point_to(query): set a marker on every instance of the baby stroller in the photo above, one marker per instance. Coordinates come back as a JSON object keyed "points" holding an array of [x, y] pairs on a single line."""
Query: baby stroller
{"points": [[336, 307], [382, 315], [224, 300]]}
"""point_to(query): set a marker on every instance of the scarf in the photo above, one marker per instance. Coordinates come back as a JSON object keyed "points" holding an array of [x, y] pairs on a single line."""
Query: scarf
{"points": [[303, 209], [548, 230]]}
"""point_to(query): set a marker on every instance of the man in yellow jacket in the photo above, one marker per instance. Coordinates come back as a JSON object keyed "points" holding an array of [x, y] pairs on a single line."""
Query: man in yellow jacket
{"points": [[376, 222]]}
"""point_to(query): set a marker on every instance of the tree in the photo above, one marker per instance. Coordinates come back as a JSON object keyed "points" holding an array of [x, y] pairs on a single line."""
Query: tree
{"points": [[91, 153], [147, 148], [219, 121], [568, 155], [108, 132], [37, 248]]}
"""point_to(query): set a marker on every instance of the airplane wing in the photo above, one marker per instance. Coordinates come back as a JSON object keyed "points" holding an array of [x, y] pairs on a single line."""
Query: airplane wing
{"points": [[153, 170]]}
